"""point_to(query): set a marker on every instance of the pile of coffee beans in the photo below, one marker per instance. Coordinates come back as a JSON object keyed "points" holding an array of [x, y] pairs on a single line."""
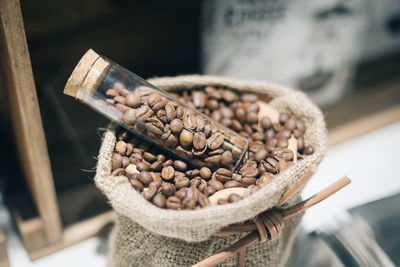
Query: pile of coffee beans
{"points": [[170, 183], [181, 129]]}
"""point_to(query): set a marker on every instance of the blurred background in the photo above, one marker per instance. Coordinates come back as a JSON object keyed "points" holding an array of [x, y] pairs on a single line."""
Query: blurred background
{"points": [[344, 54]]}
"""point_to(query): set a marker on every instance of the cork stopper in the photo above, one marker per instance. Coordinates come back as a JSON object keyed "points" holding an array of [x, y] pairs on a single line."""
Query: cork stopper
{"points": [[87, 74]]}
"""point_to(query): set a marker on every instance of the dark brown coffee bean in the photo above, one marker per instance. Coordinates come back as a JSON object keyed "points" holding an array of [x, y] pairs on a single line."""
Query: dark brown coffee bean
{"points": [[226, 112], [145, 177], [205, 173], [148, 193], [186, 138], [260, 155], [223, 175], [212, 104], [170, 111], [180, 165], [234, 198], [132, 100], [181, 193], [176, 126], [282, 142], [282, 153], [182, 182], [156, 184], [172, 141], [249, 169], [116, 161], [226, 158], [168, 189], [156, 166], [237, 126], [203, 200], [213, 159], [118, 172], [270, 165], [168, 173], [142, 166], [159, 200], [232, 183], [125, 161], [136, 184], [195, 182], [199, 140], [256, 146], [149, 157], [184, 152], [308, 150], [167, 163], [173, 203]]}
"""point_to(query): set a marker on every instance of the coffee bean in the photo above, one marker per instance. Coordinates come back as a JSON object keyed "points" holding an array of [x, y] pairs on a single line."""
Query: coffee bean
{"points": [[230, 96], [112, 93], [188, 203], [142, 166], [170, 112], [246, 181], [240, 114], [176, 126], [116, 161], [308, 150], [192, 173], [257, 136], [234, 198], [149, 157], [156, 184], [285, 134], [249, 169], [217, 185], [159, 200], [180, 165], [118, 172], [209, 191], [199, 99], [145, 177], [215, 141], [282, 142], [260, 155], [168, 173], [226, 158], [168, 189], [212, 104], [182, 182], [283, 153], [120, 147], [297, 133], [132, 100], [199, 140], [266, 123], [270, 164], [173, 203], [136, 184], [148, 193], [249, 98], [216, 115], [205, 173], [231, 184], [290, 124], [283, 117], [203, 200], [301, 126], [186, 138], [300, 143], [125, 161], [252, 117]]}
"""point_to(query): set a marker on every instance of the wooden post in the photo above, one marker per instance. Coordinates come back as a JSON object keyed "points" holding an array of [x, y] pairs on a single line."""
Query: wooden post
{"points": [[26, 119]]}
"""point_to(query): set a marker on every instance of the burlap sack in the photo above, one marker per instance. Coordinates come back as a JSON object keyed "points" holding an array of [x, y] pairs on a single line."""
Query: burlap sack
{"points": [[149, 236]]}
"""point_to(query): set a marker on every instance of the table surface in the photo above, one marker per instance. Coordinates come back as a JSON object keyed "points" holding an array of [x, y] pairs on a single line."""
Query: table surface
{"points": [[370, 161]]}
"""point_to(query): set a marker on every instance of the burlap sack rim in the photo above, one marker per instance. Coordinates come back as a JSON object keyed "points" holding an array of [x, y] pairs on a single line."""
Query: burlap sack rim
{"points": [[198, 225]]}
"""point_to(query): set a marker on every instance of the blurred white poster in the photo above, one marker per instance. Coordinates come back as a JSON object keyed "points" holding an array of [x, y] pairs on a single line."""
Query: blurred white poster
{"points": [[307, 44]]}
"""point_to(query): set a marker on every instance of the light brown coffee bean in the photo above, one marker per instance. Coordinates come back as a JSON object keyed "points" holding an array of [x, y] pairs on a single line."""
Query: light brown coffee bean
{"points": [[120, 99], [125, 161], [283, 142], [205, 173], [118, 172], [282, 153], [217, 185], [186, 138], [290, 124], [260, 155], [170, 111], [156, 184], [142, 166], [212, 104], [120, 147], [258, 136], [266, 122], [188, 203], [168, 189], [149, 157], [168, 173], [112, 93], [132, 100], [173, 203], [213, 159], [199, 99], [246, 181], [252, 117], [226, 158], [199, 140], [300, 143], [231, 184], [301, 126], [203, 200], [182, 182], [192, 173], [172, 141], [249, 169], [234, 198], [215, 141]]}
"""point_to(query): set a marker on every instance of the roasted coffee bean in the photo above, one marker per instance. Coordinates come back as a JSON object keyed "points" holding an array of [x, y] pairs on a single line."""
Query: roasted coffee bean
{"points": [[180, 165], [217, 185], [240, 114], [193, 173], [216, 115], [176, 126], [116, 161], [284, 134], [273, 142], [173, 203], [297, 133], [213, 159], [205, 173], [132, 100], [186, 138], [170, 111], [145, 177], [223, 175], [168, 173], [256, 146], [199, 99], [156, 166], [156, 177], [265, 179], [249, 98], [168, 189], [270, 165], [149, 157], [226, 158], [269, 134], [182, 182], [199, 140], [227, 122], [282, 142], [159, 200], [120, 147], [209, 191], [136, 184], [282, 153], [237, 126], [234, 198], [232, 183], [215, 141], [290, 124], [252, 117], [125, 161], [156, 184], [148, 193], [181, 193], [300, 143], [266, 123], [308, 150], [203, 200], [167, 163], [212, 104], [257, 136], [120, 99], [172, 141], [249, 169], [118, 172], [112, 93], [142, 166], [260, 155], [250, 190], [230, 96], [301, 126], [246, 181], [188, 203], [283, 117]]}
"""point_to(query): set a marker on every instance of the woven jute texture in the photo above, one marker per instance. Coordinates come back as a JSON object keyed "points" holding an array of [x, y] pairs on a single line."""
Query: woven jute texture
{"points": [[146, 235]]}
